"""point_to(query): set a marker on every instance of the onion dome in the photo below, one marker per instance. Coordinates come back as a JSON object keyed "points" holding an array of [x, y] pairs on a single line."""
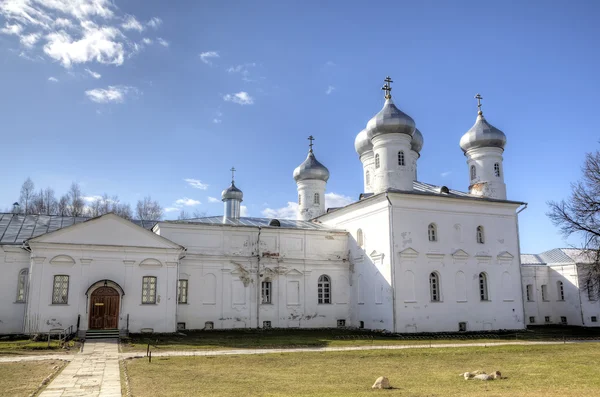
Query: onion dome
{"points": [[482, 134], [390, 120], [232, 193], [362, 143], [311, 169], [417, 141]]}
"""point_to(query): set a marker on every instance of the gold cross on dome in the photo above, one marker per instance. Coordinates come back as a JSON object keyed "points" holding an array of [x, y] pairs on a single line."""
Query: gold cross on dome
{"points": [[311, 139], [387, 87], [232, 173], [479, 98]]}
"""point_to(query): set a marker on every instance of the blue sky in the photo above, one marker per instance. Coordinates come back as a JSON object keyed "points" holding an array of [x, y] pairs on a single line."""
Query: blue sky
{"points": [[134, 97]]}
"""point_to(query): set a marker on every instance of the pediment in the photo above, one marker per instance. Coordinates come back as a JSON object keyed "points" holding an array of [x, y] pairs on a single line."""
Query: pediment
{"points": [[294, 272], [377, 257], [409, 253], [62, 260], [151, 262], [107, 230], [505, 255], [460, 254]]}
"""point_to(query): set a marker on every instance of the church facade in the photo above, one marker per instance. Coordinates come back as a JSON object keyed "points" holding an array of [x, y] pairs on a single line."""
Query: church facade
{"points": [[406, 257]]}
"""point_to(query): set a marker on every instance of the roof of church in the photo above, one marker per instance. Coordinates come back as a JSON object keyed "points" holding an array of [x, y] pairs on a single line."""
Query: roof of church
{"points": [[557, 256], [255, 222], [16, 229]]}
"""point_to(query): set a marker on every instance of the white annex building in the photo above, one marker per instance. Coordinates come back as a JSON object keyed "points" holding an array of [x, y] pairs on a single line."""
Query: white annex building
{"points": [[407, 257]]}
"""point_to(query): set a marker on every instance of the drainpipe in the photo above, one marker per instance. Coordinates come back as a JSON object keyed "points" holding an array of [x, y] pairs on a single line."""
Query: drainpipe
{"points": [[579, 293], [392, 257], [258, 287], [26, 247], [519, 259]]}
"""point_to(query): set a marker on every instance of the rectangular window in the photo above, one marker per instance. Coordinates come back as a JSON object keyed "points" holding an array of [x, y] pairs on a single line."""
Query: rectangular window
{"points": [[544, 292], [60, 292], [266, 324], [182, 291], [563, 320], [547, 319], [22, 286], [148, 290], [462, 327], [266, 291], [594, 319], [341, 323], [531, 320], [180, 326], [529, 292]]}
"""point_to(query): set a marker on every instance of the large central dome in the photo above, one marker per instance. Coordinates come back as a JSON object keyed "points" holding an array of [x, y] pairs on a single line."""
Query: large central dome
{"points": [[311, 169], [390, 120]]}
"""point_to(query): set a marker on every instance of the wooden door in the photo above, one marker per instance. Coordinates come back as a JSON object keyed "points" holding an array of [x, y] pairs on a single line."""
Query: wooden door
{"points": [[104, 308]]}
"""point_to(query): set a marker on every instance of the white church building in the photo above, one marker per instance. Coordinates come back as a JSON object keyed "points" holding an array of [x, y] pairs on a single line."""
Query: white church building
{"points": [[406, 257]]}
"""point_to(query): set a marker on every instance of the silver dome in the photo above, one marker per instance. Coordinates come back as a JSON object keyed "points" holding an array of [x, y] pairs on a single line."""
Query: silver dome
{"points": [[232, 193], [482, 134], [311, 169], [390, 120], [362, 143], [417, 141]]}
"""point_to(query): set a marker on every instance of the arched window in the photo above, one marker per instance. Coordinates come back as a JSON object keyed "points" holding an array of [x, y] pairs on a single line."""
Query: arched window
{"points": [[560, 288], [377, 160], [480, 237], [497, 169], [483, 289], [299, 200], [368, 178], [359, 238], [401, 158], [432, 232], [317, 198], [473, 172], [324, 289], [434, 287], [22, 286]]}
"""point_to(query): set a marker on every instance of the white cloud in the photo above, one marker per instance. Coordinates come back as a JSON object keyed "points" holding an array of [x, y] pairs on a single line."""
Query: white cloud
{"points": [[188, 202], [172, 209], [42, 13], [213, 200], [207, 56], [445, 174], [217, 121], [288, 212], [53, 79], [241, 98], [91, 199], [15, 29], [242, 69], [162, 42], [155, 22], [147, 41], [330, 89], [63, 23], [115, 94], [29, 40], [132, 24], [334, 200], [197, 184], [93, 74], [243, 210]]}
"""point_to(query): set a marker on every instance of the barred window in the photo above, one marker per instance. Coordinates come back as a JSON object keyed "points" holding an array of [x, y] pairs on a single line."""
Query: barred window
{"points": [[434, 287], [480, 237], [432, 232], [22, 286], [60, 292], [497, 169], [149, 290], [400, 158], [561, 290], [324, 289], [317, 198], [473, 172], [266, 288], [182, 291], [377, 160], [483, 288]]}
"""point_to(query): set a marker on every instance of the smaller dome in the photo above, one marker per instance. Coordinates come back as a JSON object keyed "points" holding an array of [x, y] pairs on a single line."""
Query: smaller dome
{"points": [[232, 193], [417, 141], [362, 143], [311, 169], [482, 134], [390, 120]]}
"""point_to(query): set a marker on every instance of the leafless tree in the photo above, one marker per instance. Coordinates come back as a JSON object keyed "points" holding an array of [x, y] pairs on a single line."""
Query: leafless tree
{"points": [[107, 204], [44, 202], [76, 203], [199, 214], [27, 196], [580, 215], [183, 214], [148, 210], [62, 207]]}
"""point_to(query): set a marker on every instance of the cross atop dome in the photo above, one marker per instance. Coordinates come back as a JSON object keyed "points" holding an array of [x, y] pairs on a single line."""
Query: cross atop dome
{"points": [[387, 87], [311, 139], [233, 170], [479, 98]]}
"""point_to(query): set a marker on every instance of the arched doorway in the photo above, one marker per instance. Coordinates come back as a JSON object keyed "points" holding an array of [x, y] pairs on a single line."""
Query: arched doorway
{"points": [[104, 308]]}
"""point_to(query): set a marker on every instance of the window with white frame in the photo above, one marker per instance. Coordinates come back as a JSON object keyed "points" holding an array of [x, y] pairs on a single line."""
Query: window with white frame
{"points": [[434, 287], [324, 289], [497, 169], [480, 235], [22, 286], [60, 291], [359, 238], [544, 292], [529, 292], [401, 158], [432, 232], [317, 199], [483, 287], [182, 291], [377, 160], [591, 291], [266, 291], [473, 172], [560, 288], [148, 290]]}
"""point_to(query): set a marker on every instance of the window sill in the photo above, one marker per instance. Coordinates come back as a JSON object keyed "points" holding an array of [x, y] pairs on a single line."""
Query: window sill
{"points": [[20, 302], [485, 300], [323, 303], [148, 304], [435, 301], [179, 303], [58, 304], [266, 303]]}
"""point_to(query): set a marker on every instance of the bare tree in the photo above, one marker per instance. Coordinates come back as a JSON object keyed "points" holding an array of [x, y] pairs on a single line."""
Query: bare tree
{"points": [[27, 196], [148, 210], [199, 214], [44, 203], [183, 215], [105, 204], [62, 207], [580, 215], [76, 203]]}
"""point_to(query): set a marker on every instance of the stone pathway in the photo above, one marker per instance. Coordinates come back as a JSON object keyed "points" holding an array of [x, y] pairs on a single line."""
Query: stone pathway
{"points": [[93, 372]]}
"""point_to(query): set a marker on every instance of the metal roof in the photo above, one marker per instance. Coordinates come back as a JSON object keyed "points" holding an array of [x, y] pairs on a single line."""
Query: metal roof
{"points": [[557, 256], [15, 229], [256, 222]]}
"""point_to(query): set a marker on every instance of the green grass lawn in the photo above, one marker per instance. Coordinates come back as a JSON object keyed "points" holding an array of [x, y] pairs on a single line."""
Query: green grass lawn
{"points": [[551, 370], [22, 379], [26, 346]]}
